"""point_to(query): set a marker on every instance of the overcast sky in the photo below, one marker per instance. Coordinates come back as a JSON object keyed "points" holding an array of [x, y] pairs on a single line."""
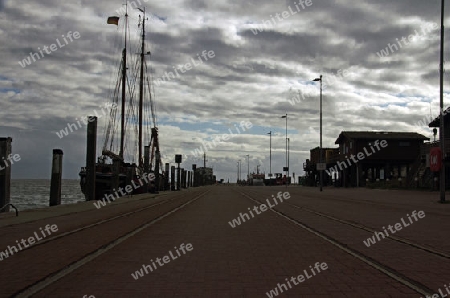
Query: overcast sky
{"points": [[262, 59]]}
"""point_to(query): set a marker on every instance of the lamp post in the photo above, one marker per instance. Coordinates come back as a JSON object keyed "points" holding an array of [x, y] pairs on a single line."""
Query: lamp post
{"points": [[237, 175], [240, 171], [320, 148], [248, 167], [441, 122], [288, 162], [287, 167], [270, 158]]}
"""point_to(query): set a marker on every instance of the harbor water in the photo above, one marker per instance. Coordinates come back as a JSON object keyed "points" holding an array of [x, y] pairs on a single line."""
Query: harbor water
{"points": [[35, 193]]}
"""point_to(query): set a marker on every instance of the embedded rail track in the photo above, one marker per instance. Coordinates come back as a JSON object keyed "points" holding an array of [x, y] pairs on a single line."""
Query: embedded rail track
{"points": [[393, 273]]}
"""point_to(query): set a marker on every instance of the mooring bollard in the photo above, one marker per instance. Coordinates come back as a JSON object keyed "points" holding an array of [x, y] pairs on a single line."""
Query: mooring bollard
{"points": [[5, 174], [55, 184], [90, 158]]}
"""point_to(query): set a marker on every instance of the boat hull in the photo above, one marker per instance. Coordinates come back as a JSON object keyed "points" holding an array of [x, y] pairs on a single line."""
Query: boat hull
{"points": [[104, 182]]}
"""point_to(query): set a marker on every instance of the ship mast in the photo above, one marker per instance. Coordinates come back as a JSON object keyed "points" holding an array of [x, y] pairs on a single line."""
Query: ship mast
{"points": [[141, 88], [124, 78]]}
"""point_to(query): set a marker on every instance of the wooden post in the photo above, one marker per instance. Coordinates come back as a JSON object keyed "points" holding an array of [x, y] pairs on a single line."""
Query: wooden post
{"points": [[90, 158], [157, 162], [146, 167], [179, 177], [172, 178], [184, 178], [166, 180], [195, 178], [189, 179], [5, 173], [146, 159], [115, 182], [55, 184]]}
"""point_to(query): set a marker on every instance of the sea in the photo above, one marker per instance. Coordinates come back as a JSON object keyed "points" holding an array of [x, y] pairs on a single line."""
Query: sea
{"points": [[35, 193]]}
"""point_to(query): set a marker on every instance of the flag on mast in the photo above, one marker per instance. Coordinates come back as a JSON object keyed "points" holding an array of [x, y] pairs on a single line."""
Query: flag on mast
{"points": [[113, 20]]}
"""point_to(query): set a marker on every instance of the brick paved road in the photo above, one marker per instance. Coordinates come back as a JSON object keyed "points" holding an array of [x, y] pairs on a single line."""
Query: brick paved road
{"points": [[250, 259]]}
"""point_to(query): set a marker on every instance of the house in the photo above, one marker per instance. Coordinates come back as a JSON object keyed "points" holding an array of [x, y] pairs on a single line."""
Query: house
{"points": [[329, 156], [371, 155]]}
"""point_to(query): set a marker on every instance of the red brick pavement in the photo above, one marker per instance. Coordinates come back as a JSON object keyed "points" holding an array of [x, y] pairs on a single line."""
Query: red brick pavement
{"points": [[246, 261], [377, 209], [28, 266]]}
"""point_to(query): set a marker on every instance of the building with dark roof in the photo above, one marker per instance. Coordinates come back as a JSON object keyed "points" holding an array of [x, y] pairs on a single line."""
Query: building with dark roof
{"points": [[368, 156], [329, 155], [399, 158]]}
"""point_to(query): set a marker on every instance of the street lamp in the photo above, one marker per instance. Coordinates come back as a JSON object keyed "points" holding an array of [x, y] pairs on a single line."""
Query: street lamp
{"points": [[248, 167], [320, 148], [270, 158], [441, 102], [240, 171], [237, 176], [287, 162]]}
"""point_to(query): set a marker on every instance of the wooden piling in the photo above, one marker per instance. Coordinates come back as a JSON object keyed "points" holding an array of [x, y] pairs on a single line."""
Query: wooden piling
{"points": [[172, 178], [146, 159], [183, 179], [166, 176], [115, 182], [195, 178], [55, 184], [90, 158], [179, 177], [157, 162], [5, 173]]}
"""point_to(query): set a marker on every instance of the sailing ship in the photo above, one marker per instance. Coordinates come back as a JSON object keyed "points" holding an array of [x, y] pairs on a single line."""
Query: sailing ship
{"points": [[112, 172]]}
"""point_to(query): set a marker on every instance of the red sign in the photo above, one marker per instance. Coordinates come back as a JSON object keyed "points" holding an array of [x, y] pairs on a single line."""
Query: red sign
{"points": [[435, 159]]}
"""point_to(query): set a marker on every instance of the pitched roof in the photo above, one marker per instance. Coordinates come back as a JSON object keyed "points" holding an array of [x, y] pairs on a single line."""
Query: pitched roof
{"points": [[324, 148], [437, 121], [380, 135]]}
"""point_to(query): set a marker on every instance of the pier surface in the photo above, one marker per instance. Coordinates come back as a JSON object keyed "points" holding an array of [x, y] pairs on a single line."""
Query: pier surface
{"points": [[305, 244]]}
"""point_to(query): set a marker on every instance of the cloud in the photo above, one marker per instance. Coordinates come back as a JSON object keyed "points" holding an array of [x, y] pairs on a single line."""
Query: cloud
{"points": [[250, 78]]}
